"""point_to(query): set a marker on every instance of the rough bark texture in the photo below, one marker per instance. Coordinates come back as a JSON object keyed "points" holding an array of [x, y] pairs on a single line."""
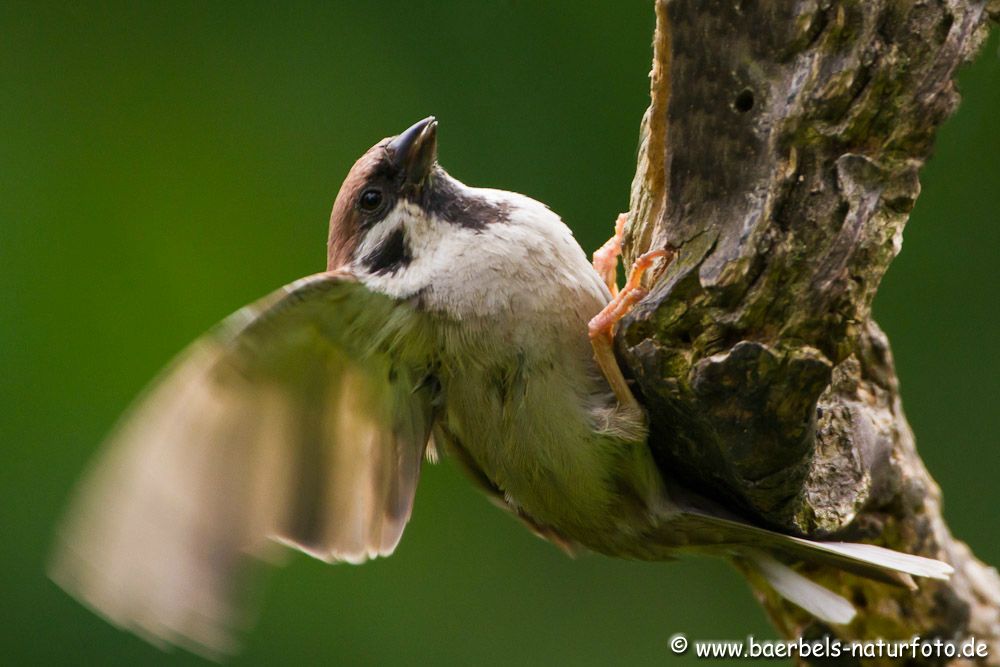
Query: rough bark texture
{"points": [[780, 157]]}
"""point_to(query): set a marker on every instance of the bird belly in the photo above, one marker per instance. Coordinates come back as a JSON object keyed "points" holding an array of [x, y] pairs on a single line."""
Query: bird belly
{"points": [[535, 445]]}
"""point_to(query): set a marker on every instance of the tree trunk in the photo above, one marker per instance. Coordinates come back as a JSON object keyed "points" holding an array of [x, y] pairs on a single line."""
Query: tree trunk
{"points": [[779, 157]]}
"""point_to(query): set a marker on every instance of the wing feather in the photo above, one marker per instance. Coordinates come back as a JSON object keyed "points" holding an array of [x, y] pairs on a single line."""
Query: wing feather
{"points": [[289, 422]]}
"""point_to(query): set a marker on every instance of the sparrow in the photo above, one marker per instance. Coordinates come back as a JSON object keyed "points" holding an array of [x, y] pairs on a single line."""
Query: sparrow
{"points": [[453, 319]]}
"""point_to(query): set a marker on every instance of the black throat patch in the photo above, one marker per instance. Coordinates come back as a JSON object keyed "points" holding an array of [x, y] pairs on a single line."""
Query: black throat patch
{"points": [[447, 199], [389, 256]]}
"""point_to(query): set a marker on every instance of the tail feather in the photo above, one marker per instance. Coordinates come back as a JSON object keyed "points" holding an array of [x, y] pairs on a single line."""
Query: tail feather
{"points": [[822, 603], [865, 560], [698, 531], [871, 556]]}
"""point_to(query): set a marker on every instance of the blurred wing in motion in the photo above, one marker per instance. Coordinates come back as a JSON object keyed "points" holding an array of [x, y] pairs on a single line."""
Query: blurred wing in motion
{"points": [[289, 422]]}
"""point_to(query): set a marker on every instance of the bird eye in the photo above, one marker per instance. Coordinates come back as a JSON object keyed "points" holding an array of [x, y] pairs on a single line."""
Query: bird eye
{"points": [[370, 199]]}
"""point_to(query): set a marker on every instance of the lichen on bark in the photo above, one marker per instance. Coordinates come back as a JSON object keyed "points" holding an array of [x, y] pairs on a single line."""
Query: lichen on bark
{"points": [[780, 158]]}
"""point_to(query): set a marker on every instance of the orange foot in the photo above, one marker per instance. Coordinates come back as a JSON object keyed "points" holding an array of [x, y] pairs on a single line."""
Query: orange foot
{"points": [[606, 257], [602, 326]]}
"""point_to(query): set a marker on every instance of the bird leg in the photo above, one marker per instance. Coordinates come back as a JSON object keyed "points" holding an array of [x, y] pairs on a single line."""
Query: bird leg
{"points": [[601, 327], [606, 257]]}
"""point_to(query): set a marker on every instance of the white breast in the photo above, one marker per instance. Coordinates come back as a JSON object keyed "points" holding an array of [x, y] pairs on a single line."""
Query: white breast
{"points": [[512, 301]]}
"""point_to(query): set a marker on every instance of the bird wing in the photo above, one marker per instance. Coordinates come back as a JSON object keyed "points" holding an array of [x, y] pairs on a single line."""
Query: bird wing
{"points": [[289, 422]]}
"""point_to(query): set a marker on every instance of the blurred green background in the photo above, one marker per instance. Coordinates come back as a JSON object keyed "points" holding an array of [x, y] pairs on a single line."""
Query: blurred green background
{"points": [[163, 163]]}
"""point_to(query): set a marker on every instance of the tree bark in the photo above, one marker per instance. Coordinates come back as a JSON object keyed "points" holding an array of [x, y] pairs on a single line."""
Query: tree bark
{"points": [[779, 157]]}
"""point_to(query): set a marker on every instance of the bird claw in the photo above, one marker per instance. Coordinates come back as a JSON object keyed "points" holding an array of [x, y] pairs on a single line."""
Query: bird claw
{"points": [[601, 326], [606, 257]]}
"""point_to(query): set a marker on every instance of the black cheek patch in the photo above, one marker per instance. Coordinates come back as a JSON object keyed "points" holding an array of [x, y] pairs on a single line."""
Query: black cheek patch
{"points": [[392, 254]]}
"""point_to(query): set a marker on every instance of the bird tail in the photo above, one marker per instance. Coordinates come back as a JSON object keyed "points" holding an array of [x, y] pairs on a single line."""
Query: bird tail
{"points": [[821, 602], [868, 560], [758, 547]]}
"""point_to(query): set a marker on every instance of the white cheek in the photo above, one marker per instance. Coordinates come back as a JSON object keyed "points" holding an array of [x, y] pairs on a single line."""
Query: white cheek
{"points": [[426, 239]]}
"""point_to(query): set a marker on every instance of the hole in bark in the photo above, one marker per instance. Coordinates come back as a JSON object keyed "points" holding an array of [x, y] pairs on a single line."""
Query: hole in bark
{"points": [[744, 101]]}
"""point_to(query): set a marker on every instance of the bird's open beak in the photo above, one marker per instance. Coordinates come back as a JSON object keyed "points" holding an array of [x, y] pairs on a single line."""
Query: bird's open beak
{"points": [[415, 150]]}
